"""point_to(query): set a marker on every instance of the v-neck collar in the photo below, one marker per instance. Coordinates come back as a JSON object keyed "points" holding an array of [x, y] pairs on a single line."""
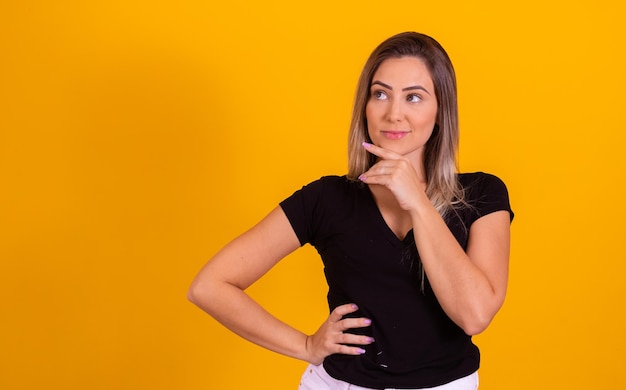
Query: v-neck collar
{"points": [[390, 235]]}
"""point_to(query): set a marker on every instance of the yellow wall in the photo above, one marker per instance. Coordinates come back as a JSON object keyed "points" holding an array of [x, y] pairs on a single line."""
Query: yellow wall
{"points": [[137, 138]]}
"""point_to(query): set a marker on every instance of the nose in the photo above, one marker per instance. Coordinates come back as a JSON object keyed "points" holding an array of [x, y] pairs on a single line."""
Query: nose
{"points": [[394, 110]]}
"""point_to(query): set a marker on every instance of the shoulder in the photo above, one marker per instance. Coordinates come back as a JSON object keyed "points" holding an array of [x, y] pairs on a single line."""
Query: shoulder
{"points": [[486, 192], [479, 183], [474, 179], [331, 183], [333, 180], [326, 189], [312, 209]]}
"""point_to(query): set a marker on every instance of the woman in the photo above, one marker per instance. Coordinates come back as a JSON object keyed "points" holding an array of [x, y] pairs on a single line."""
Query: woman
{"points": [[415, 255]]}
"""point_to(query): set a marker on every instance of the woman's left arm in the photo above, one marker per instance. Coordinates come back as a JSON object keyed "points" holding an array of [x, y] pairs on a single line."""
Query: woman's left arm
{"points": [[469, 285]]}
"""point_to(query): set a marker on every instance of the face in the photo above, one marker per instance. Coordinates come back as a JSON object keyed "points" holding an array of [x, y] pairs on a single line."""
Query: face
{"points": [[402, 108]]}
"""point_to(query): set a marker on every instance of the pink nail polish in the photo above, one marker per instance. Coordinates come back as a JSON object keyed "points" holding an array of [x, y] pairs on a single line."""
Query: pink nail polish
{"points": [[366, 145], [367, 321], [360, 350], [362, 177]]}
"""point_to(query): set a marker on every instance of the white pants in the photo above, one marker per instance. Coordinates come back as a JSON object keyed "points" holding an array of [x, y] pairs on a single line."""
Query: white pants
{"points": [[316, 378]]}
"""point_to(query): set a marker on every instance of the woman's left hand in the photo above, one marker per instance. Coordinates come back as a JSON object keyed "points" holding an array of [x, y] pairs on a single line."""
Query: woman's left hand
{"points": [[395, 172]]}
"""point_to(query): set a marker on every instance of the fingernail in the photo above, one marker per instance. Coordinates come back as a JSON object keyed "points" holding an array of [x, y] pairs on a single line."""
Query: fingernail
{"points": [[367, 321], [362, 177], [366, 145], [360, 350], [370, 340], [355, 307]]}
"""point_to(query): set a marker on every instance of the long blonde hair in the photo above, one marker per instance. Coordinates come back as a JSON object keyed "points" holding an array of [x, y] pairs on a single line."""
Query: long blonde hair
{"points": [[440, 151]]}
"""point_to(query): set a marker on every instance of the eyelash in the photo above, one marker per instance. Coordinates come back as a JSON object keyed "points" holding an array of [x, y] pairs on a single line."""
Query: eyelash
{"points": [[414, 95], [379, 95]]}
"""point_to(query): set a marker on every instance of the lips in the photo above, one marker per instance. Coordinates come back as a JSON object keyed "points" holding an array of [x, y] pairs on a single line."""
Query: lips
{"points": [[394, 134]]}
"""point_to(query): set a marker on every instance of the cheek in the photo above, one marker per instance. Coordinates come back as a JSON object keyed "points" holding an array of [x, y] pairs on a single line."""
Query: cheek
{"points": [[428, 119], [435, 114]]}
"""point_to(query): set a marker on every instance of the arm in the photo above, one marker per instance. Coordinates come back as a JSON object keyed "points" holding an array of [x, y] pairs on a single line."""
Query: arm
{"points": [[470, 286], [218, 289]]}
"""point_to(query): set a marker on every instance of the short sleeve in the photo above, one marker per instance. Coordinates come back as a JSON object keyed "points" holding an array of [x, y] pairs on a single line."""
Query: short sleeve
{"points": [[304, 211], [487, 193]]}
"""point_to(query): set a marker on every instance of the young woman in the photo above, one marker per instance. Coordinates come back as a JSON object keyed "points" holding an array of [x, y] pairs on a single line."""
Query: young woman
{"points": [[415, 254]]}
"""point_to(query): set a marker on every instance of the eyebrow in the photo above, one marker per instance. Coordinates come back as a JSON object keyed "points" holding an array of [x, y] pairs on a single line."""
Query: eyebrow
{"points": [[411, 88]]}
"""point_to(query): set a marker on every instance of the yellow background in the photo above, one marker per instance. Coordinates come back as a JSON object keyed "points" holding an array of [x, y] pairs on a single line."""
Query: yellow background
{"points": [[138, 137]]}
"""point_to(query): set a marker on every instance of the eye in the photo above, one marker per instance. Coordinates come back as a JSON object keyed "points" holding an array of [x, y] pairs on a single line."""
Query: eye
{"points": [[414, 98], [379, 95]]}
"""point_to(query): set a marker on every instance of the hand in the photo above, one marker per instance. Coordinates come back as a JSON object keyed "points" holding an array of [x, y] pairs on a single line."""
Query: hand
{"points": [[397, 174], [330, 339]]}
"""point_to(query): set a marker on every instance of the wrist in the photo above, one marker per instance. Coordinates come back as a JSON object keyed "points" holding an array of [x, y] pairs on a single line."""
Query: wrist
{"points": [[420, 206], [307, 356]]}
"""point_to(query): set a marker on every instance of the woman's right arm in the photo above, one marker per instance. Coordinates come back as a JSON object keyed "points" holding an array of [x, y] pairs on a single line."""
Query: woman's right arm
{"points": [[218, 289]]}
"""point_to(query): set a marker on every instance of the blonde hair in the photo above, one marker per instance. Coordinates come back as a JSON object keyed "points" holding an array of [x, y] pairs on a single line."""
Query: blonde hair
{"points": [[440, 151]]}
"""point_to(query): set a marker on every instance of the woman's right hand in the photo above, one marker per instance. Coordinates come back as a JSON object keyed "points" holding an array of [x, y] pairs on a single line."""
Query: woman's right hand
{"points": [[331, 339]]}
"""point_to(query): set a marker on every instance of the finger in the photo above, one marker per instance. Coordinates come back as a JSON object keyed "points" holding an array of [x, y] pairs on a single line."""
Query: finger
{"points": [[381, 169], [386, 168], [381, 152], [369, 178], [346, 350], [350, 323], [378, 175], [341, 311], [353, 339]]}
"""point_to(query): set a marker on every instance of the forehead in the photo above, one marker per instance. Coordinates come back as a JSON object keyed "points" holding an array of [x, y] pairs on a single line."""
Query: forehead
{"points": [[403, 71]]}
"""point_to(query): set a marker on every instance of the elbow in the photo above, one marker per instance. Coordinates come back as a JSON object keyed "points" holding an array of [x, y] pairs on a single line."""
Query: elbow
{"points": [[476, 319], [208, 294], [475, 327], [199, 293], [477, 322], [193, 294]]}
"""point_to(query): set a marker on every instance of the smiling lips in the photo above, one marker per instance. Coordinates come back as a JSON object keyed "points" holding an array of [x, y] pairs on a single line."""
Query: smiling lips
{"points": [[394, 134]]}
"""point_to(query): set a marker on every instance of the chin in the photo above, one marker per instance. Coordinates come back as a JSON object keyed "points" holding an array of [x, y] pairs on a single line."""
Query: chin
{"points": [[403, 150]]}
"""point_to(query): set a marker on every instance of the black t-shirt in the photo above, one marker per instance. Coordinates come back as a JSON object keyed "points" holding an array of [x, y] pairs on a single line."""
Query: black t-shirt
{"points": [[417, 345]]}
